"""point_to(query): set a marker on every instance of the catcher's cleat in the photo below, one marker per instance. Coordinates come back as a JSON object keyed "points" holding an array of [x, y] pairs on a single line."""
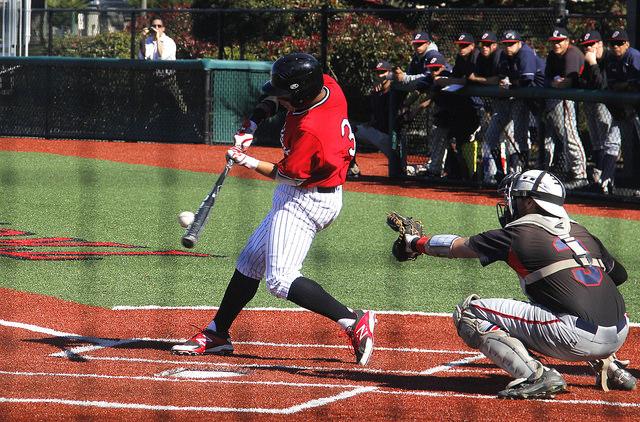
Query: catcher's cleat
{"points": [[204, 343], [361, 335], [611, 374], [542, 384]]}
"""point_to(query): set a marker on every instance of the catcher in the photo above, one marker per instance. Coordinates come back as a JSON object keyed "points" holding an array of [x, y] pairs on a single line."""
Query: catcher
{"points": [[575, 311]]}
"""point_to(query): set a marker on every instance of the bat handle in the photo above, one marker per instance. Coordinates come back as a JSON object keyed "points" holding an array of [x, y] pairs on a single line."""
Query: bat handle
{"points": [[189, 241]]}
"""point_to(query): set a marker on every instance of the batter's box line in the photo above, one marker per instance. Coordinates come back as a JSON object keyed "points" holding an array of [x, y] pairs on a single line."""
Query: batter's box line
{"points": [[200, 363], [98, 343], [86, 349], [141, 406]]}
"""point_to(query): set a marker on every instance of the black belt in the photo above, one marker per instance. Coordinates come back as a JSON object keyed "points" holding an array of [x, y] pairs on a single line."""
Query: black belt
{"points": [[326, 190], [593, 328]]}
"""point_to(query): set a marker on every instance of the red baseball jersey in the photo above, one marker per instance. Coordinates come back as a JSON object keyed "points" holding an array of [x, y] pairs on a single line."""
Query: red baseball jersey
{"points": [[318, 142]]}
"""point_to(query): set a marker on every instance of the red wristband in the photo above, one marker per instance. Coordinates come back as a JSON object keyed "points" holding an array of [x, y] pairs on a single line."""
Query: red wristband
{"points": [[420, 244]]}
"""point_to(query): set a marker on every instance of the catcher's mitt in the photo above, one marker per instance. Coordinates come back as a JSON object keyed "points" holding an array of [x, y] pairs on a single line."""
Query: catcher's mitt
{"points": [[403, 225]]}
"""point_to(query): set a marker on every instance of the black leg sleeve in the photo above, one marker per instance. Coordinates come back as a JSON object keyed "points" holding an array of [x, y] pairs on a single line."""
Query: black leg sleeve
{"points": [[240, 291], [310, 295]]}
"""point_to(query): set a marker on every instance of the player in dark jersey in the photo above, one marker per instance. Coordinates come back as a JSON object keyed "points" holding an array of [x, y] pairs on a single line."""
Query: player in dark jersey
{"points": [[605, 138], [623, 75], [486, 72], [318, 144], [455, 117], [565, 64], [519, 67], [575, 311]]}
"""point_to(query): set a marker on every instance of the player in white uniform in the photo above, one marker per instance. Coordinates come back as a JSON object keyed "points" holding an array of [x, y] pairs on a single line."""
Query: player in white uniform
{"points": [[575, 311], [318, 145]]}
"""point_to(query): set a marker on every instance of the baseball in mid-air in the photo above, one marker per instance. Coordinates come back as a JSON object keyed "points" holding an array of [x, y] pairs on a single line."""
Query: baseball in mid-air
{"points": [[185, 218]]}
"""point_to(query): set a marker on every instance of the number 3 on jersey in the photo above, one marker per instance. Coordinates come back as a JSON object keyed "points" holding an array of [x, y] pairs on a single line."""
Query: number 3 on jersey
{"points": [[351, 137]]}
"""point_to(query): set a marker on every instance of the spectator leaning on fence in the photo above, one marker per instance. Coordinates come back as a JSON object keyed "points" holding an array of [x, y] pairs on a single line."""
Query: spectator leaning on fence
{"points": [[605, 138], [465, 59], [623, 74], [455, 117], [376, 131], [485, 72], [519, 66], [565, 63], [407, 80], [155, 44]]}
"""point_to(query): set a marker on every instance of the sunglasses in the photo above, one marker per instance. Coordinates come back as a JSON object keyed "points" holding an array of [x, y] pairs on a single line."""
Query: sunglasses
{"points": [[617, 43], [157, 26]]}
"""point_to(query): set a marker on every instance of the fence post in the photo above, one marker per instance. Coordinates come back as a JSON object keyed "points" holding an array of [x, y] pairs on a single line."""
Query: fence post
{"points": [[324, 37], [133, 35], [632, 22], [50, 33], [220, 41]]}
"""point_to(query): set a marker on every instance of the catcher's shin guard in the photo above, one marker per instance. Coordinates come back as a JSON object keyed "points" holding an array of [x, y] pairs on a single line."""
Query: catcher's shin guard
{"points": [[503, 350]]}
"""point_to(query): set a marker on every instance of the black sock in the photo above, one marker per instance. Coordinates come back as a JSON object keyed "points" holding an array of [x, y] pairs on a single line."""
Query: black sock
{"points": [[310, 295], [598, 155], [240, 291], [608, 167]]}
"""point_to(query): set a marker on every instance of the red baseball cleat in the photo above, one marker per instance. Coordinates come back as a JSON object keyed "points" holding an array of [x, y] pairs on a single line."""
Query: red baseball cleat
{"points": [[361, 335], [204, 343]]}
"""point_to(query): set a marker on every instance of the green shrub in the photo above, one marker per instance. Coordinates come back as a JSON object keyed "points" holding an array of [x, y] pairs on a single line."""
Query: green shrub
{"points": [[108, 44]]}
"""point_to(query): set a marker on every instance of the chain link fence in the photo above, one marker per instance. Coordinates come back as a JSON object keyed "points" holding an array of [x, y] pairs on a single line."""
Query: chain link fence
{"points": [[349, 42]]}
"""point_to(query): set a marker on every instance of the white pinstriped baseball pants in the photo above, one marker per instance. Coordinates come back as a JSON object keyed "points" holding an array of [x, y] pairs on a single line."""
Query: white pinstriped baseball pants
{"points": [[277, 248], [604, 135], [563, 128]]}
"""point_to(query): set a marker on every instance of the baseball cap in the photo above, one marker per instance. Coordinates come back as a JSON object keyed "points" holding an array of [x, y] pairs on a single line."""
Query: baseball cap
{"points": [[488, 37], [421, 37], [590, 37], [558, 34], [619, 35], [465, 39], [511, 36], [383, 65], [434, 59]]}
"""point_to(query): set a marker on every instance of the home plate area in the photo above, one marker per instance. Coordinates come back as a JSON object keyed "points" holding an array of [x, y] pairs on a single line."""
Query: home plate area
{"points": [[117, 364]]}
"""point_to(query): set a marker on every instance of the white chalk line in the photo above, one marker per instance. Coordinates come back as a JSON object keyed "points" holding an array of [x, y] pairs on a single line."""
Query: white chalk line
{"points": [[160, 378], [99, 343], [260, 309], [141, 406], [102, 343], [269, 309], [355, 389], [202, 363]]}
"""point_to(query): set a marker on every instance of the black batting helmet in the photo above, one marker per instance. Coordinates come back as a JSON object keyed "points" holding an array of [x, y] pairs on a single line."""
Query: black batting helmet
{"points": [[297, 77]]}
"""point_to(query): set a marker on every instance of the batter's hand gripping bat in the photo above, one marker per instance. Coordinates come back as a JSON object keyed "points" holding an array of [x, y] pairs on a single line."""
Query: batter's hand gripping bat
{"points": [[193, 232]]}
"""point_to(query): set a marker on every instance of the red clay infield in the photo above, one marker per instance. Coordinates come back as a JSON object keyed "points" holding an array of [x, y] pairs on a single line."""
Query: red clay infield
{"points": [[99, 364], [63, 360]]}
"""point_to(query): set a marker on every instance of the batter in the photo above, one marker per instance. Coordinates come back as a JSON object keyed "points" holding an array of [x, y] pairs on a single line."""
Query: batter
{"points": [[318, 145]]}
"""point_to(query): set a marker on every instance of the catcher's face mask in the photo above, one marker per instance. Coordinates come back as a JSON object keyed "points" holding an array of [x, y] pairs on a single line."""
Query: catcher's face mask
{"points": [[506, 208]]}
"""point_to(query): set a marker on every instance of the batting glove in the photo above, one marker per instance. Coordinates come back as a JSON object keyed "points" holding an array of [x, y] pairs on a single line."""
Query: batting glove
{"points": [[244, 136], [239, 157]]}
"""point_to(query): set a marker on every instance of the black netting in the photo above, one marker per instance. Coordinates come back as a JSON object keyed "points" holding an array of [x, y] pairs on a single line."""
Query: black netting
{"points": [[127, 101]]}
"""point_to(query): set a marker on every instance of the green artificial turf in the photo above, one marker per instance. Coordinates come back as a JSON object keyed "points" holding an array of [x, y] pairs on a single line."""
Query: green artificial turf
{"points": [[55, 196]]}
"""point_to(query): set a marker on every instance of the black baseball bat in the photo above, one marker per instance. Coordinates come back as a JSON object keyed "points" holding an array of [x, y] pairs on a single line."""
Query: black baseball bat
{"points": [[191, 236]]}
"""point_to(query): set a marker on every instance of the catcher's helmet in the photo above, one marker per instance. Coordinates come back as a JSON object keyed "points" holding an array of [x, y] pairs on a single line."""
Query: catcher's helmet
{"points": [[546, 190], [296, 77]]}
